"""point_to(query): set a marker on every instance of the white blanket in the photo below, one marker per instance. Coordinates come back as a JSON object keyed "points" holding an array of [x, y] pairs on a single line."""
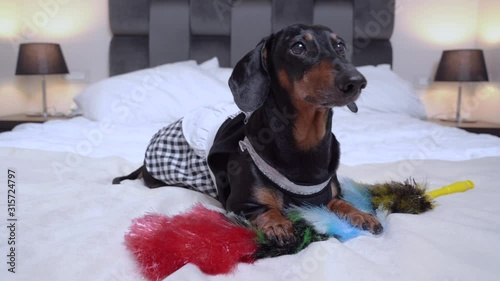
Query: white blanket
{"points": [[71, 225], [365, 137], [71, 220]]}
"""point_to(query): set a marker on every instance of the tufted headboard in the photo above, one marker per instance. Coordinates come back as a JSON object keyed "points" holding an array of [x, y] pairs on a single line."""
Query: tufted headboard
{"points": [[148, 33]]}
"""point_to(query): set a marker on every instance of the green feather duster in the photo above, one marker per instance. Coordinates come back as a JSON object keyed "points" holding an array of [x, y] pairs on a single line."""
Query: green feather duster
{"points": [[304, 232], [389, 197], [401, 197]]}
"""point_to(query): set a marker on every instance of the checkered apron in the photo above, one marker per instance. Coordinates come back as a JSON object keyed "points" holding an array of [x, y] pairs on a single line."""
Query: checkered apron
{"points": [[170, 159]]}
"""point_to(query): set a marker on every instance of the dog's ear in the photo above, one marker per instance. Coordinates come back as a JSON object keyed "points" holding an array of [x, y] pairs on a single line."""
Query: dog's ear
{"points": [[250, 80]]}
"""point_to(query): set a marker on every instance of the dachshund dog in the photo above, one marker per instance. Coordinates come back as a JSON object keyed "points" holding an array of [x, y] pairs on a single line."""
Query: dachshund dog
{"points": [[285, 153]]}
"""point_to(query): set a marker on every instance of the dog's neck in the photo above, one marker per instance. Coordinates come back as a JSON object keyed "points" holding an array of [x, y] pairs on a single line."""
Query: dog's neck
{"points": [[296, 141]]}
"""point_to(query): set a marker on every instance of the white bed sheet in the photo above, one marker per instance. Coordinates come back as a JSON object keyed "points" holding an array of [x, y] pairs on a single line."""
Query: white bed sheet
{"points": [[71, 219], [72, 227], [365, 137]]}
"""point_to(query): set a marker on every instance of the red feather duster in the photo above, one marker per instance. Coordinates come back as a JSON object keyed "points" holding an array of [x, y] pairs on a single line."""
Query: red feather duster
{"points": [[163, 244]]}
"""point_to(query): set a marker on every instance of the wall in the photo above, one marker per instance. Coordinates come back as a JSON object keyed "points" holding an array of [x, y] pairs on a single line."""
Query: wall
{"points": [[423, 29], [488, 39], [80, 26], [488, 35]]}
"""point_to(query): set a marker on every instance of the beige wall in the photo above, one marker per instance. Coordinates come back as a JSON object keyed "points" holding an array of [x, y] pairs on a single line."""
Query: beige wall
{"points": [[423, 29], [488, 35], [488, 38], [481, 101], [80, 26]]}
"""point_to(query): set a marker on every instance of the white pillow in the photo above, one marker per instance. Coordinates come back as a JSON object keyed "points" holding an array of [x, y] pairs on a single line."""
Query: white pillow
{"points": [[160, 94], [220, 73], [387, 92], [212, 63]]}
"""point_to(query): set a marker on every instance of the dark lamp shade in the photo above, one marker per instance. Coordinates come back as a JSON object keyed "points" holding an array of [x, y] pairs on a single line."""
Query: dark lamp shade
{"points": [[40, 58], [462, 65]]}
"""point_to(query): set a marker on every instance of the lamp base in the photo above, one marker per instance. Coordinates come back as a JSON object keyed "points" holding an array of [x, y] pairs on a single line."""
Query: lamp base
{"points": [[54, 114], [457, 121], [37, 114], [45, 115]]}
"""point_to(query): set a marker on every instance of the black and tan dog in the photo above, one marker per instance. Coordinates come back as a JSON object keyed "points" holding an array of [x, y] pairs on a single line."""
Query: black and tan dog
{"points": [[282, 152]]}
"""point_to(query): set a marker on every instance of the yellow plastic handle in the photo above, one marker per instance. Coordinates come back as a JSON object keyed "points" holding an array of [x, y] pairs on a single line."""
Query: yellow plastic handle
{"points": [[460, 186]]}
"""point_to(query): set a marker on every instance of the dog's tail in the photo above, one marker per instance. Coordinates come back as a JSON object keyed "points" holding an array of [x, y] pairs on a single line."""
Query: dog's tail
{"points": [[132, 176]]}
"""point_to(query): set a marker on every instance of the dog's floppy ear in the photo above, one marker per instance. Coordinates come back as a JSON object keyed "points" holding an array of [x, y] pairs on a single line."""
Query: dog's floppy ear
{"points": [[250, 80]]}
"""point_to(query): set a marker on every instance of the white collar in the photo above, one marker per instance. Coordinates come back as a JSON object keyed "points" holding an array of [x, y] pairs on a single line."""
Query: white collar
{"points": [[273, 175]]}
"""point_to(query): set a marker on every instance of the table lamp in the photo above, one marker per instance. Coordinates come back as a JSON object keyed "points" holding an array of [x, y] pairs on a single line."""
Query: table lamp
{"points": [[461, 66], [41, 59]]}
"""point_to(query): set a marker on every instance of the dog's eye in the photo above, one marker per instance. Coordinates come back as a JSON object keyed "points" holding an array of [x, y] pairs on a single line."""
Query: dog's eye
{"points": [[341, 48], [298, 48]]}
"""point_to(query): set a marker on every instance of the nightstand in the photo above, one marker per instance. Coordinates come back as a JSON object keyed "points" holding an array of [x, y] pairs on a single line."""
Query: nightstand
{"points": [[478, 127], [8, 122]]}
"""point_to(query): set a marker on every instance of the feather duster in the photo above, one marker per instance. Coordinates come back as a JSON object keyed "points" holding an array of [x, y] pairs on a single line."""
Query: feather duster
{"points": [[217, 242]]}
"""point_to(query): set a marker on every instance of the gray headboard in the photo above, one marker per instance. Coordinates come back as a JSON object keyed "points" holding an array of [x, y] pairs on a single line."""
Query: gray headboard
{"points": [[147, 33]]}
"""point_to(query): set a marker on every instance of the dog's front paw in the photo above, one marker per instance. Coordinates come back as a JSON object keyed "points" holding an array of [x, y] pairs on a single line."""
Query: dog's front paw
{"points": [[279, 231], [275, 226], [365, 221], [354, 216]]}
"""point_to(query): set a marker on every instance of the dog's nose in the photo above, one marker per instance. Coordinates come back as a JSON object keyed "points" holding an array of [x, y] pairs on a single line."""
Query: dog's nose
{"points": [[352, 83]]}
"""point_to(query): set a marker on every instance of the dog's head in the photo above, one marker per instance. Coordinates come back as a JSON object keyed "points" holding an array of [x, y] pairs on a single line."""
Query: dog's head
{"points": [[308, 62]]}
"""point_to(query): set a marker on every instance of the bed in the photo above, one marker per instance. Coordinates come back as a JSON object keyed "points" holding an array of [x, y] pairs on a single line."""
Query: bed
{"points": [[71, 220]]}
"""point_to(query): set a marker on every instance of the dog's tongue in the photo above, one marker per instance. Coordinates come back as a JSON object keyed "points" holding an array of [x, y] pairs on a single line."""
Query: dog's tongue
{"points": [[352, 107]]}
